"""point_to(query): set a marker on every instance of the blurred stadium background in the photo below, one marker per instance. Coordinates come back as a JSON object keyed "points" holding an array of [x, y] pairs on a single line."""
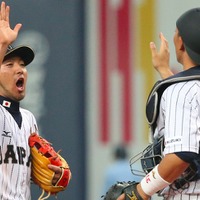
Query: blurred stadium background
{"points": [[91, 76]]}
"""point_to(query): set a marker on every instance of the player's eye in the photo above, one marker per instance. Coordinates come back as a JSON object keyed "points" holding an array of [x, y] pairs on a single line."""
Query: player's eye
{"points": [[22, 64], [9, 64]]}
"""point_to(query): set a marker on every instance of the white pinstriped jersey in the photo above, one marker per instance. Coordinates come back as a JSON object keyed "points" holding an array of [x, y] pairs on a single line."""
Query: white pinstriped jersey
{"points": [[179, 121], [15, 167]]}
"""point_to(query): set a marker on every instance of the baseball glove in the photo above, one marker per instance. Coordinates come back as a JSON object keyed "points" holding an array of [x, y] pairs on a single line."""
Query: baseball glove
{"points": [[43, 154], [129, 188]]}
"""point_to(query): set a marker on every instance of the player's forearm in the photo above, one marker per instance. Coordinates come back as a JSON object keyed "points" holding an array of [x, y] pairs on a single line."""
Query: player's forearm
{"points": [[160, 177], [142, 193], [164, 72], [169, 170], [3, 49]]}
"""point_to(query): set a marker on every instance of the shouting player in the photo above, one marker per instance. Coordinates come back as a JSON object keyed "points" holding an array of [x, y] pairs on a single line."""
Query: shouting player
{"points": [[178, 117], [16, 123]]}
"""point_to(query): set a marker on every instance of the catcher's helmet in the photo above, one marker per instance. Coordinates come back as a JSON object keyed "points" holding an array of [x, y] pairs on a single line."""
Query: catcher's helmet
{"points": [[149, 157], [189, 29]]}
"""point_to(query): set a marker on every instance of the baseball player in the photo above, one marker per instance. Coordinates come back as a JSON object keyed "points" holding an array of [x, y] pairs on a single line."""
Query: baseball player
{"points": [[16, 124], [178, 118]]}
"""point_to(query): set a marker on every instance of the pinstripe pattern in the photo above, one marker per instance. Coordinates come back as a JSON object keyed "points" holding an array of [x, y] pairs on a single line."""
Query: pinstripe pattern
{"points": [[179, 121], [15, 169], [184, 197]]}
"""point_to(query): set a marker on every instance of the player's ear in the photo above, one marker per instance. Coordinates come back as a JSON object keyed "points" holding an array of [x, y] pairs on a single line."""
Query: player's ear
{"points": [[181, 44], [182, 48]]}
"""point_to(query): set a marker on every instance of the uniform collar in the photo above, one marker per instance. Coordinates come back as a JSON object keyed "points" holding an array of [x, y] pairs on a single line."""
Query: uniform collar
{"points": [[9, 104]]}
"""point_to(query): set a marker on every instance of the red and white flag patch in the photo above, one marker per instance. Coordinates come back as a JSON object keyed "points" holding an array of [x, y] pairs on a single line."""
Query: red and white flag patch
{"points": [[6, 104]]}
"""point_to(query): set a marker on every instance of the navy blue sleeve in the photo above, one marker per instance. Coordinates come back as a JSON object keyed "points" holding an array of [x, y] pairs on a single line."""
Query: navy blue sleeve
{"points": [[187, 156]]}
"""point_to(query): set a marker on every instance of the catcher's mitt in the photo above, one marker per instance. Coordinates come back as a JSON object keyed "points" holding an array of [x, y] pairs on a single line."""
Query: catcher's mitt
{"points": [[129, 188], [43, 154]]}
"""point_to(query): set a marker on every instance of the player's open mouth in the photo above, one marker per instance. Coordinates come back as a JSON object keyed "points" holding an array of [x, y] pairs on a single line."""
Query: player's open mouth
{"points": [[20, 83]]}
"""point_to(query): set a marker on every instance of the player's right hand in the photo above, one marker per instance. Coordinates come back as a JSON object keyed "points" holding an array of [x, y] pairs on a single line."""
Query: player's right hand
{"points": [[7, 35]]}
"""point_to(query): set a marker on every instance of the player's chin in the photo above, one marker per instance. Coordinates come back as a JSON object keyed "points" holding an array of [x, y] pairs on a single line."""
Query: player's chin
{"points": [[19, 96]]}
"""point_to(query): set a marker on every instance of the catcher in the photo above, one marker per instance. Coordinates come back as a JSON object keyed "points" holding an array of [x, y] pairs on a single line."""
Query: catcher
{"points": [[172, 162]]}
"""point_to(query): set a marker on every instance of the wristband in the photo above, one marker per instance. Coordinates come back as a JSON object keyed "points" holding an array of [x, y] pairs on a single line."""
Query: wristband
{"points": [[153, 182]]}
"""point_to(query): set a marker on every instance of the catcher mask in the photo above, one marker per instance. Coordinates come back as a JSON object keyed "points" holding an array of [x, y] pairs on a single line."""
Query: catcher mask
{"points": [[189, 30], [24, 52]]}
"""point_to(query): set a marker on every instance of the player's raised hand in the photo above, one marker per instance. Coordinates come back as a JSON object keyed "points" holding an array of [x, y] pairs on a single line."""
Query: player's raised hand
{"points": [[7, 34], [160, 59]]}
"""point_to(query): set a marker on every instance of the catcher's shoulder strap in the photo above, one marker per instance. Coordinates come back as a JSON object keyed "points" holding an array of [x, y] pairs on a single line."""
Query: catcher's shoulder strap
{"points": [[153, 101]]}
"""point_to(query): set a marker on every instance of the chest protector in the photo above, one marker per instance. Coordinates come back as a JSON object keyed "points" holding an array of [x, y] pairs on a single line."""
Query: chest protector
{"points": [[153, 101]]}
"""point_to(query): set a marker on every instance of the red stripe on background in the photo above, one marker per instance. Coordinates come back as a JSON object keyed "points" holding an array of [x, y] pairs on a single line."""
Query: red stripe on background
{"points": [[124, 66], [104, 116]]}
